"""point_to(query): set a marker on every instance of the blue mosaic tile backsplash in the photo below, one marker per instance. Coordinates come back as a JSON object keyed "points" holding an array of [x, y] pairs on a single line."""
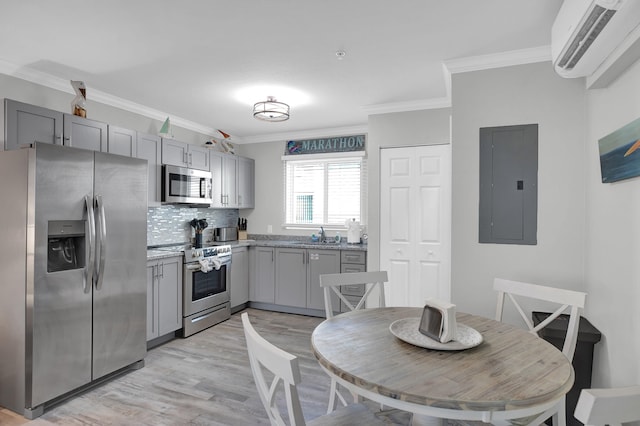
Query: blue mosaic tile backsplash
{"points": [[170, 224]]}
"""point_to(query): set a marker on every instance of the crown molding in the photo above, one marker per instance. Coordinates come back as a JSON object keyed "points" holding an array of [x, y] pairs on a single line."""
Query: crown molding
{"points": [[421, 104], [56, 83], [499, 60], [303, 134]]}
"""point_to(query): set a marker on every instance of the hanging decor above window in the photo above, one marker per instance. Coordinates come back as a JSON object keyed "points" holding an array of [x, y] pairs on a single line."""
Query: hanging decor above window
{"points": [[271, 110], [325, 145]]}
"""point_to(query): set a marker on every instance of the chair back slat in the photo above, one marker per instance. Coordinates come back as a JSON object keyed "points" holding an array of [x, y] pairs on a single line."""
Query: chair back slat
{"points": [[333, 282], [285, 369], [613, 406], [567, 299]]}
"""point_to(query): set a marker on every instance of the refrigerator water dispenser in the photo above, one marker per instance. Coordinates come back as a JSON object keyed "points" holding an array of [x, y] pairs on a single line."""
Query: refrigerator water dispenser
{"points": [[66, 245]]}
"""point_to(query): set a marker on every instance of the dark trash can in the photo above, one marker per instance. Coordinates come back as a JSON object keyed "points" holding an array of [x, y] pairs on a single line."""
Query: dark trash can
{"points": [[588, 336]]}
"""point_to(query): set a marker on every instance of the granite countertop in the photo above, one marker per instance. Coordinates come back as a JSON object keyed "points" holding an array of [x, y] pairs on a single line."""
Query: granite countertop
{"points": [[162, 254], [309, 245], [155, 254]]}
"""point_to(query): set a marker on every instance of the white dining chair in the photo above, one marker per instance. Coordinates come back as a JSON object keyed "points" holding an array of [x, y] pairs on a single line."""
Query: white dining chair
{"points": [[332, 283], [613, 406], [283, 366], [569, 300]]}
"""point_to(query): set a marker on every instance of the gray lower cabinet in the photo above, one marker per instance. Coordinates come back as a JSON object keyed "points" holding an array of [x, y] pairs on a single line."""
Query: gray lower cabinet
{"points": [[298, 276], [164, 296], [262, 282], [352, 261], [239, 286], [291, 277], [321, 262]]}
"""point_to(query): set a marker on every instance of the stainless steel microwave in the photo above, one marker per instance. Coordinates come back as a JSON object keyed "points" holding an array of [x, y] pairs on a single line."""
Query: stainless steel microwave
{"points": [[181, 185]]}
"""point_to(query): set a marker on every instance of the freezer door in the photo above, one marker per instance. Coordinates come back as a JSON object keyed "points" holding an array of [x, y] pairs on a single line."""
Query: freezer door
{"points": [[58, 345], [120, 285]]}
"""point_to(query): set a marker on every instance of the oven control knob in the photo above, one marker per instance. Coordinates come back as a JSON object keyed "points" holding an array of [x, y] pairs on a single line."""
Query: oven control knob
{"points": [[195, 253]]}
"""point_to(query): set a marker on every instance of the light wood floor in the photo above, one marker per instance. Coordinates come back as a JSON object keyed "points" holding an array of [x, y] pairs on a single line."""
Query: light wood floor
{"points": [[202, 380]]}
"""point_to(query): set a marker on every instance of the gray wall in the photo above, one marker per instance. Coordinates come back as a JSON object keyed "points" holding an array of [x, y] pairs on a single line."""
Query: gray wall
{"points": [[519, 95], [426, 127], [613, 240]]}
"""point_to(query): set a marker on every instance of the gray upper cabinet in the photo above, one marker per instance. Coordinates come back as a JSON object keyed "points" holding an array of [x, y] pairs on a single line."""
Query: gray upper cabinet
{"points": [[25, 124], [246, 183], [121, 141], [233, 181], [84, 133], [149, 148], [224, 168], [182, 154]]}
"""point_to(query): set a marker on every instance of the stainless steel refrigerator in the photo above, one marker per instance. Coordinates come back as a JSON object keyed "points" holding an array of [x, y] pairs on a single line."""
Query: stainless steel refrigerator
{"points": [[73, 235]]}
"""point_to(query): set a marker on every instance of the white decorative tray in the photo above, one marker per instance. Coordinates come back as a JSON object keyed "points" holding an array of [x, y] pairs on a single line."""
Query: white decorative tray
{"points": [[406, 329]]}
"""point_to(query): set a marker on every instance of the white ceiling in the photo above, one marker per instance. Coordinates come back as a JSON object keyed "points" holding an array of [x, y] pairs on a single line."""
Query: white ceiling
{"points": [[192, 59]]}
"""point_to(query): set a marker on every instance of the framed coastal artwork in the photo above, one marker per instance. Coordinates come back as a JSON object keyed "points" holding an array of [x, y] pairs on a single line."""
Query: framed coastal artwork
{"points": [[620, 153]]}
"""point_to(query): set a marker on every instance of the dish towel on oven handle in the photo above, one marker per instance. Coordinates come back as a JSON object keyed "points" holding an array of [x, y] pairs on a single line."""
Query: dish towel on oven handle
{"points": [[215, 262], [205, 266]]}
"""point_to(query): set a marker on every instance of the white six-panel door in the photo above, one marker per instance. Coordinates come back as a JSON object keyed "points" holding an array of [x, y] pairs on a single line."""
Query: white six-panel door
{"points": [[415, 223]]}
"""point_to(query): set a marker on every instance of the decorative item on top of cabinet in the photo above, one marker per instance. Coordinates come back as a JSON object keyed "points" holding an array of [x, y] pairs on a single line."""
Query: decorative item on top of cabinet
{"points": [[182, 154], [164, 296]]}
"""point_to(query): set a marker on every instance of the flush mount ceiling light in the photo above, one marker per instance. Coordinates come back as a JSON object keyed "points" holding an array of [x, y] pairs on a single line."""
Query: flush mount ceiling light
{"points": [[271, 110]]}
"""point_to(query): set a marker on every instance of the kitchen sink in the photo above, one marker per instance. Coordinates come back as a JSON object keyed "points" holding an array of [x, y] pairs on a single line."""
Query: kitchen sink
{"points": [[318, 243]]}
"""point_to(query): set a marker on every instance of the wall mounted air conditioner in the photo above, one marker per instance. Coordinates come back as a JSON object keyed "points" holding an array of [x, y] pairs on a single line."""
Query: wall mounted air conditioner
{"points": [[586, 32]]}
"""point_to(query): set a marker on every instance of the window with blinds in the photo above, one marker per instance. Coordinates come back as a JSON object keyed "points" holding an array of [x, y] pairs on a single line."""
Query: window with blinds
{"points": [[324, 192]]}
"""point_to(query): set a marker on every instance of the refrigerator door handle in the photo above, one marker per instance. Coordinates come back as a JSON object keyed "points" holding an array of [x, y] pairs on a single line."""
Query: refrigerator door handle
{"points": [[91, 236], [102, 227]]}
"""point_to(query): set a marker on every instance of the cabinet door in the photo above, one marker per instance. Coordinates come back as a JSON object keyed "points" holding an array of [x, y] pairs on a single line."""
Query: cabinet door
{"points": [[149, 148], [121, 141], [215, 161], [239, 288], [291, 277], [152, 301], [83, 133], [321, 262], [264, 274], [198, 157], [25, 124], [229, 180], [246, 183], [170, 295], [174, 153]]}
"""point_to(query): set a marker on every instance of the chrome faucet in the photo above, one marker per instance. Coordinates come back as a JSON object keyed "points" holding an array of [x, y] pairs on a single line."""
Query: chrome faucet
{"points": [[323, 236]]}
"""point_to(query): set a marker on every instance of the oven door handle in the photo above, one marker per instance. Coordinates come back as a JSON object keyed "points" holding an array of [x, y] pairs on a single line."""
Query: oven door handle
{"points": [[192, 267]]}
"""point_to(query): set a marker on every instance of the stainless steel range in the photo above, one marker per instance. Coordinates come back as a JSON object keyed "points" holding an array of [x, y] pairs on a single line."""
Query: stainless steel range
{"points": [[206, 277]]}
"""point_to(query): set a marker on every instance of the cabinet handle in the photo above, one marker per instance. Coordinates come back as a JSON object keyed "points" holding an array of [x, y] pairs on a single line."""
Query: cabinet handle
{"points": [[161, 274], [59, 138], [185, 158], [190, 158]]}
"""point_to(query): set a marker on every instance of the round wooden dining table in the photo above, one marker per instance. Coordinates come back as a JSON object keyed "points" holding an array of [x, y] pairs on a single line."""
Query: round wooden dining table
{"points": [[512, 374]]}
